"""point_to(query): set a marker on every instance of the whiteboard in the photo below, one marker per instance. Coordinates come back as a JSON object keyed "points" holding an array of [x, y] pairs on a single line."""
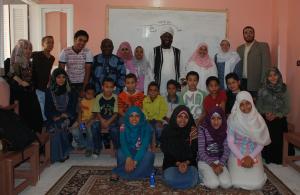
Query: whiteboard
{"points": [[141, 26]]}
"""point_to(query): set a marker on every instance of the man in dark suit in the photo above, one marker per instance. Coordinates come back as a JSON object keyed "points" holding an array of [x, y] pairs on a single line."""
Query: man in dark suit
{"points": [[255, 60]]}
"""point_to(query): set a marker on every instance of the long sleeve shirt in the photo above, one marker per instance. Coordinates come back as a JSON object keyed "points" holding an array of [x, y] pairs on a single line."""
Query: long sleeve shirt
{"points": [[156, 109]]}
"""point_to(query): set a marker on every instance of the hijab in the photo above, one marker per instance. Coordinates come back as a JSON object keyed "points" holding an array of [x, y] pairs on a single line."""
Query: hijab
{"points": [[250, 125], [18, 53], [204, 62], [120, 53], [133, 132], [54, 87], [230, 58], [175, 139], [218, 135]]}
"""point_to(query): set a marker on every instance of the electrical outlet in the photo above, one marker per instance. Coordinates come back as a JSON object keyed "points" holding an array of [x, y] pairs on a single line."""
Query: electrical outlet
{"points": [[298, 62]]}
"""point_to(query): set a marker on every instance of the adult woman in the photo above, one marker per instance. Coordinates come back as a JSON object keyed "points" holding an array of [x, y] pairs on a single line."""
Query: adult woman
{"points": [[125, 53], [247, 135], [22, 87], [202, 64], [60, 110], [227, 62], [179, 145], [273, 104], [134, 161]]}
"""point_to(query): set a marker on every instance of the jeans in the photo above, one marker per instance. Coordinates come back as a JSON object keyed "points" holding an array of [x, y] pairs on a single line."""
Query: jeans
{"points": [[173, 178], [85, 141], [142, 170], [41, 98], [157, 130]]}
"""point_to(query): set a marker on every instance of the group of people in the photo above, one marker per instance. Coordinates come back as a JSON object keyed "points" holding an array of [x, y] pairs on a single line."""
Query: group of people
{"points": [[209, 128]]}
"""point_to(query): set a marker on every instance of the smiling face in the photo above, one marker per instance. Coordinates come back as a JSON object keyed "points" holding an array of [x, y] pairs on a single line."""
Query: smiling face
{"points": [[134, 118], [233, 85], [107, 47], [80, 42], [139, 53], [192, 82], [130, 84], [182, 119], [273, 78], [245, 106], [202, 51], [48, 44], [225, 46], [153, 92]]}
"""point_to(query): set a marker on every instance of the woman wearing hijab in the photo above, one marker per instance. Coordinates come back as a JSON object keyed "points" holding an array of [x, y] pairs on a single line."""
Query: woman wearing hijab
{"points": [[227, 62], [142, 69], [22, 87], [60, 110], [134, 161], [273, 103], [201, 63], [247, 136], [213, 150], [125, 53], [179, 145]]}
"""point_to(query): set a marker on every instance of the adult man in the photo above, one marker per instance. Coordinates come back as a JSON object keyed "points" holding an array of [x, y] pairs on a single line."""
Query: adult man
{"points": [[107, 64], [165, 60], [255, 60]]}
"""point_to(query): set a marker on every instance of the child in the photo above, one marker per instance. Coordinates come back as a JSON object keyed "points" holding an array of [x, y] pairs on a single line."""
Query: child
{"points": [[106, 109], [273, 104], [78, 60], [172, 98], [233, 85], [155, 108], [213, 150], [216, 97], [134, 161], [130, 96], [247, 135], [82, 129], [42, 62], [193, 98]]}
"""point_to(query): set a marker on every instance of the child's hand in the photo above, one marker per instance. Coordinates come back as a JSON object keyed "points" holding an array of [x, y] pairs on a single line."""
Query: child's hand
{"points": [[214, 168], [182, 167], [219, 169], [247, 162]]}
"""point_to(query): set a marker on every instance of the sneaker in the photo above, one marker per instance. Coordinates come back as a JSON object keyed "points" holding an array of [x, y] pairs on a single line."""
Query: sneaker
{"points": [[88, 153]]}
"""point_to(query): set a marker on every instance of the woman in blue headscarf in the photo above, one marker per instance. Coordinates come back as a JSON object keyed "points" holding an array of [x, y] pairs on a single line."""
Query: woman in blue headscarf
{"points": [[134, 161]]}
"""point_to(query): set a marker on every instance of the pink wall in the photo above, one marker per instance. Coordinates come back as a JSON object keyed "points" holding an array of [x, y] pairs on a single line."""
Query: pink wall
{"points": [[275, 22]]}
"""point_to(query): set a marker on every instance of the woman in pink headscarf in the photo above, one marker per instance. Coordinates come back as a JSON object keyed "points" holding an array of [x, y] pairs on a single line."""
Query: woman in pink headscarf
{"points": [[202, 64], [125, 53]]}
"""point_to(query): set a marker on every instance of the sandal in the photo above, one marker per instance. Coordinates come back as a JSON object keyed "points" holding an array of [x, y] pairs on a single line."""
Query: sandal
{"points": [[114, 178]]}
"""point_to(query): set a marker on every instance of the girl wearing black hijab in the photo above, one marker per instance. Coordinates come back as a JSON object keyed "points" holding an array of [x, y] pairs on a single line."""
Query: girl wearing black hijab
{"points": [[179, 145]]}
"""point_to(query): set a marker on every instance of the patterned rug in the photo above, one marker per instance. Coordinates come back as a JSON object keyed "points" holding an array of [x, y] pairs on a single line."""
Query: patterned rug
{"points": [[94, 180]]}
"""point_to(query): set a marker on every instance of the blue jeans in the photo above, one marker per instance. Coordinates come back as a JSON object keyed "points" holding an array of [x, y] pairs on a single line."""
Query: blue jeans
{"points": [[157, 130], [173, 178], [98, 138], [143, 169], [41, 98], [87, 141]]}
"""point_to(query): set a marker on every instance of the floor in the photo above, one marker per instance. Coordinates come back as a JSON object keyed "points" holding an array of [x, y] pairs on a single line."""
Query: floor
{"points": [[50, 175]]}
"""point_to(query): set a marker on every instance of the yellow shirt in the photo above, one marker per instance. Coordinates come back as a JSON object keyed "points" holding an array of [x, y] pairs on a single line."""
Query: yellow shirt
{"points": [[86, 109], [156, 109]]}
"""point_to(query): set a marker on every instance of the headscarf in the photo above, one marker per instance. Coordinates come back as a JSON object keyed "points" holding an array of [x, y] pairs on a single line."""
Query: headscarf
{"points": [[231, 58], [59, 90], [120, 53], [141, 65], [166, 29], [205, 62], [250, 125], [276, 92], [133, 131], [175, 139], [18, 56], [218, 135]]}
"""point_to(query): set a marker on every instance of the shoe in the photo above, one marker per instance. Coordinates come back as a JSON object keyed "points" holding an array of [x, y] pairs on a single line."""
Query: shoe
{"points": [[96, 153]]}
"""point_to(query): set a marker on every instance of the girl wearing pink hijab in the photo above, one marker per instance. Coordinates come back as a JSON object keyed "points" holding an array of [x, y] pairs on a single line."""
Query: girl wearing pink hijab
{"points": [[201, 63]]}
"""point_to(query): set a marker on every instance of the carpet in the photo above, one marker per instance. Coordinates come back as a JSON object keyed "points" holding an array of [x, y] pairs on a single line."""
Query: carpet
{"points": [[94, 180]]}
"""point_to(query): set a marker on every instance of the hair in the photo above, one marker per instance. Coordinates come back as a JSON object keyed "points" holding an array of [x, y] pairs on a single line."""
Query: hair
{"points": [[131, 76], [108, 79], [210, 79], [81, 33], [248, 27], [192, 73], [104, 40], [153, 83], [232, 75], [172, 82], [139, 47], [47, 37], [89, 86]]}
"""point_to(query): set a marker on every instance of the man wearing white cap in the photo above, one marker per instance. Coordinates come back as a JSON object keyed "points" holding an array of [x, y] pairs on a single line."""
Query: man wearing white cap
{"points": [[165, 60]]}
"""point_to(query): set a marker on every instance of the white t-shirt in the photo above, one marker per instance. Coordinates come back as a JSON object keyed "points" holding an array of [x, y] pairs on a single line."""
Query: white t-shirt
{"points": [[75, 63]]}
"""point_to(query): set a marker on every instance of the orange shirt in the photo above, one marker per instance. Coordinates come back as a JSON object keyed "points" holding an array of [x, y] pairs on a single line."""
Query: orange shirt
{"points": [[125, 100]]}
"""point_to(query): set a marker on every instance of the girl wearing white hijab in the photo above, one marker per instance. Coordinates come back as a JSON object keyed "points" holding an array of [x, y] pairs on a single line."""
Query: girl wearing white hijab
{"points": [[227, 62], [248, 134]]}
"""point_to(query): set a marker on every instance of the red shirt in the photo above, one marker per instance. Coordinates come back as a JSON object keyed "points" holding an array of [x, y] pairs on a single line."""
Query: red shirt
{"points": [[209, 102], [125, 100]]}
